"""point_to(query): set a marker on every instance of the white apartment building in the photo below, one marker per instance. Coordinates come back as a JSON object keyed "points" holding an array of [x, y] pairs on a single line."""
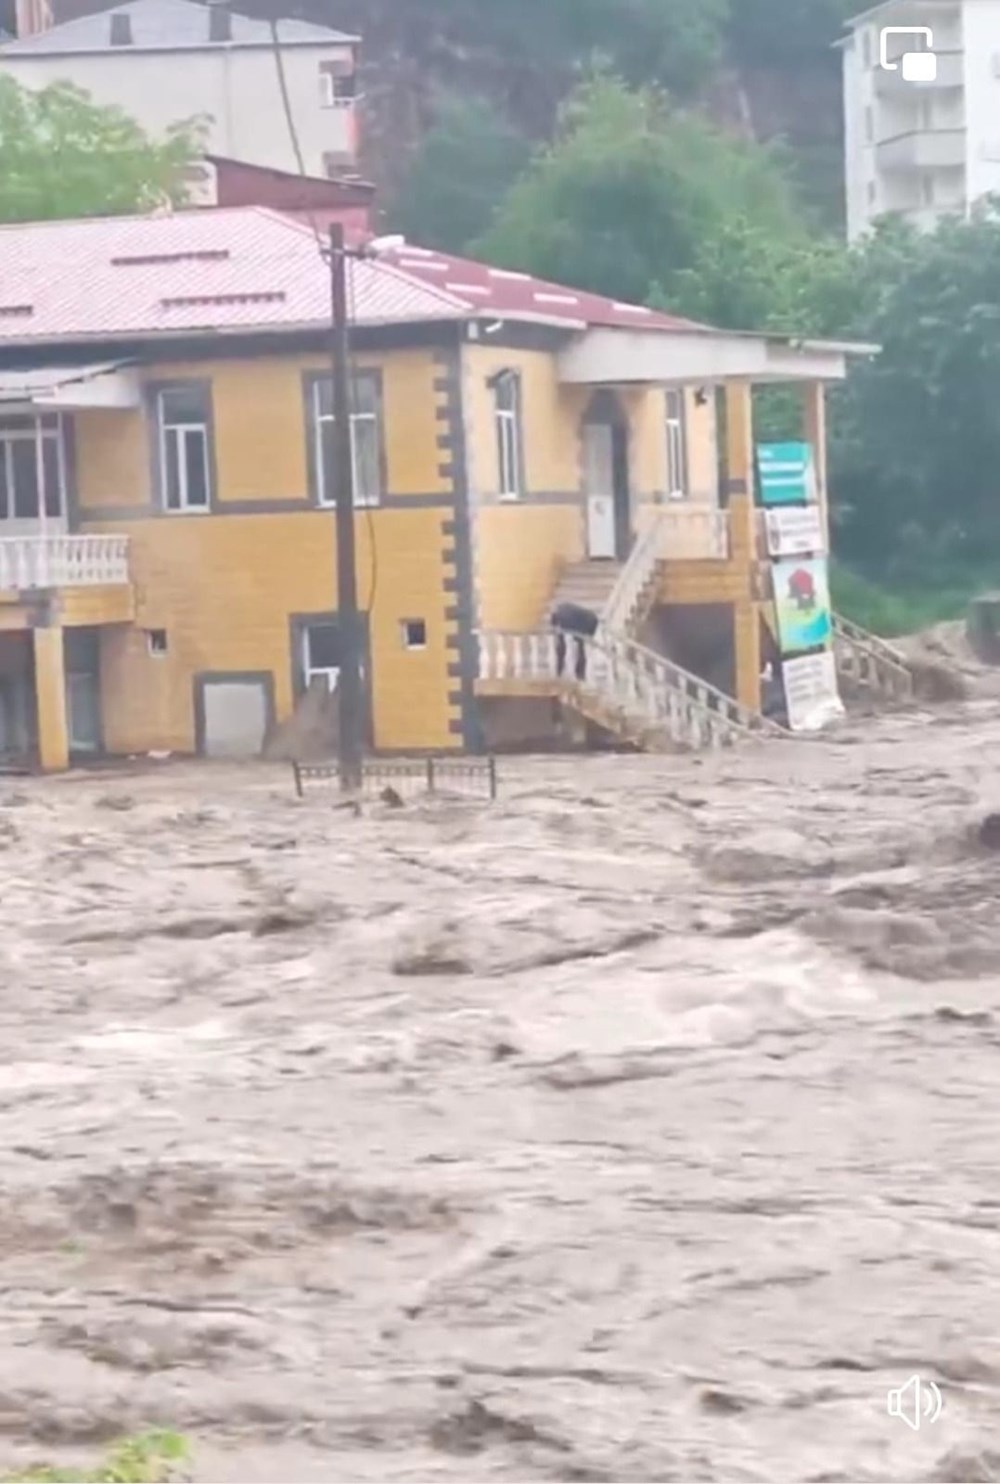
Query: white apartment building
{"points": [[167, 60], [921, 150]]}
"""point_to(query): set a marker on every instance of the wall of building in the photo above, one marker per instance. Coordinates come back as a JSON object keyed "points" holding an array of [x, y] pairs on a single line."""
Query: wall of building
{"points": [[236, 87], [981, 46], [224, 585], [521, 546]]}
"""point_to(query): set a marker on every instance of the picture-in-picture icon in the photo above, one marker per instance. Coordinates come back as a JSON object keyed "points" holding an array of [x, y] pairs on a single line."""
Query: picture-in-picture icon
{"points": [[915, 66]]}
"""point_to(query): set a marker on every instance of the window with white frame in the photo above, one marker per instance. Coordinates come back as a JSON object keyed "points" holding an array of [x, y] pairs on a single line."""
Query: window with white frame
{"points": [[507, 414], [366, 438], [32, 468], [321, 655], [676, 444], [184, 420], [337, 88]]}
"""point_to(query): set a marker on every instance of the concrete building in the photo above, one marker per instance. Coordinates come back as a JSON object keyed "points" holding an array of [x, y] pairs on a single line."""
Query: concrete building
{"points": [[167, 534], [921, 150], [167, 60]]}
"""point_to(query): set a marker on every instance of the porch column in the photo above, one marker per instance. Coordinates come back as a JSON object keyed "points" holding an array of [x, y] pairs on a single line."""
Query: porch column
{"points": [[50, 699], [746, 648], [740, 470], [814, 432]]}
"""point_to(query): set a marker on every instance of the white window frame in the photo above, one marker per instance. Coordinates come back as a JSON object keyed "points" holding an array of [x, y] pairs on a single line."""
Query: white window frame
{"points": [[179, 432], [509, 435], [47, 428], [675, 432], [310, 672], [328, 89], [363, 499]]}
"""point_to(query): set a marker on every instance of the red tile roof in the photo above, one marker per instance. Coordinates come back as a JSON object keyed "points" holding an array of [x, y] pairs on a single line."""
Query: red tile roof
{"points": [[513, 295], [244, 268]]}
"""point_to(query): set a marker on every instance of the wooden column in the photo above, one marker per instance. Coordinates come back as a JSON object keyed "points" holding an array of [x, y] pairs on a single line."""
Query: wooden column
{"points": [[50, 700], [814, 432], [743, 538]]}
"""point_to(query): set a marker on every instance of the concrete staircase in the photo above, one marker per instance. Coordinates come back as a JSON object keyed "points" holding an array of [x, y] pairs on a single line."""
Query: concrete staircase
{"points": [[867, 664], [629, 690], [587, 584]]}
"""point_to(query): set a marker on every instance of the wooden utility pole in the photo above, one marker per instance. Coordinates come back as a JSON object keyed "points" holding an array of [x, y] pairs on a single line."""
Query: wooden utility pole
{"points": [[339, 476]]}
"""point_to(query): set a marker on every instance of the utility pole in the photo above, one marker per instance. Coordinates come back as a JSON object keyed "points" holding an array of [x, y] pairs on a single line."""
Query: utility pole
{"points": [[338, 475]]}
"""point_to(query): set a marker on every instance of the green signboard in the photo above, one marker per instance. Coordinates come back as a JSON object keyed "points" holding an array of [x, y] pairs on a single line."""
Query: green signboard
{"points": [[786, 473]]}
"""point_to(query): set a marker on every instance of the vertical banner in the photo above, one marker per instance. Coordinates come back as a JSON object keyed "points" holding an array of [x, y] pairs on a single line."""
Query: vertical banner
{"points": [[802, 605], [786, 474]]}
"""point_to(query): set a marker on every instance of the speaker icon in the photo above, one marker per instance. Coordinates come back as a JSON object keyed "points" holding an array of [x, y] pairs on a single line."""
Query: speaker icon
{"points": [[915, 1402]]}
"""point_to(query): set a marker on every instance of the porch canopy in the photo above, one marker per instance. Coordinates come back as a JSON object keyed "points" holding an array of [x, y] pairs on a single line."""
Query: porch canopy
{"points": [[47, 388], [612, 356]]}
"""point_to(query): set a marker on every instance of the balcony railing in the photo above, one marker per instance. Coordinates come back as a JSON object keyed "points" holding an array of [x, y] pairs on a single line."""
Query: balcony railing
{"points": [[925, 149], [62, 561]]}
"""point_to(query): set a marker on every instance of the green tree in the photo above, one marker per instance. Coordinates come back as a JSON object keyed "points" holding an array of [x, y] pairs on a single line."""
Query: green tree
{"points": [[777, 33], [675, 42], [63, 155], [465, 165], [917, 437], [630, 192]]}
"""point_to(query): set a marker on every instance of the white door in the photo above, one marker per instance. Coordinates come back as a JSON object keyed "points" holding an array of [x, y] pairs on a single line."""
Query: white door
{"points": [[236, 717], [599, 483]]}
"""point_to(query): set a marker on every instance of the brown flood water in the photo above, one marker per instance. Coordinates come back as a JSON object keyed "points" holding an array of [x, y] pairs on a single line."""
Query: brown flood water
{"points": [[644, 1126]]}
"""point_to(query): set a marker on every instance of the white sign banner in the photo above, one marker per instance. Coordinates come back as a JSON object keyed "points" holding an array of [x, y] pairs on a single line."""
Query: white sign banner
{"points": [[795, 530], [811, 693]]}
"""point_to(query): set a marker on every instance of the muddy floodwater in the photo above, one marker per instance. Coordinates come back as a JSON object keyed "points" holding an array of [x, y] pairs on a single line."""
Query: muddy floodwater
{"points": [[644, 1125]]}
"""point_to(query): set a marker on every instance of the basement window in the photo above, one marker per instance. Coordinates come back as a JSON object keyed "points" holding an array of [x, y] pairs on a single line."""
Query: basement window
{"points": [[156, 641], [414, 633]]}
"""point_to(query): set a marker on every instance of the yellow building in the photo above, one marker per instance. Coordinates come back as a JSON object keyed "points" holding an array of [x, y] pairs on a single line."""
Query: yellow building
{"points": [[167, 546]]}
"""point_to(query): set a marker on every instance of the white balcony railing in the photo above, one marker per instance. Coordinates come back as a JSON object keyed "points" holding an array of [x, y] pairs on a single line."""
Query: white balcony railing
{"points": [[62, 561]]}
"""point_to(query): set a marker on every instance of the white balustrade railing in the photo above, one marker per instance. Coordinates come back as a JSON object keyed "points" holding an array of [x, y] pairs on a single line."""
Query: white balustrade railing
{"points": [[869, 662], [645, 692], [674, 533], [62, 561], [634, 578], [509, 656]]}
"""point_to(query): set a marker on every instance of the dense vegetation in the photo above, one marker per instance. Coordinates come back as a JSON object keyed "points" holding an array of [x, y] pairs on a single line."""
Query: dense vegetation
{"points": [[647, 182], [638, 194]]}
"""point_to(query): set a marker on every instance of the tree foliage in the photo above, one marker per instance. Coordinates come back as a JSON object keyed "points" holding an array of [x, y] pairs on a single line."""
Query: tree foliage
{"points": [[630, 191], [464, 167], [676, 42], [62, 155]]}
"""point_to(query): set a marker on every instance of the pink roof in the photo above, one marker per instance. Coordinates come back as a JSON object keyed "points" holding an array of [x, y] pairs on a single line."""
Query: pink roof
{"points": [[240, 269], [247, 268]]}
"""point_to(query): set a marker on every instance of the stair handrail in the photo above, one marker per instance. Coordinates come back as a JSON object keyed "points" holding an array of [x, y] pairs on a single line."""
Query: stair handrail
{"points": [[636, 572], [641, 688], [855, 634], [672, 677]]}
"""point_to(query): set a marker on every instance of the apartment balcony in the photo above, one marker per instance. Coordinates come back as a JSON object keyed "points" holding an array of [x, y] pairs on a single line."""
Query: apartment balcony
{"points": [[892, 85], [39, 563], [925, 149]]}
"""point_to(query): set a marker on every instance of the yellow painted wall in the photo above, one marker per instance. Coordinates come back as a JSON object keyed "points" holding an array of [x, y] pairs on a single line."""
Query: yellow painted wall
{"points": [[520, 551], [223, 586], [551, 419], [223, 590]]}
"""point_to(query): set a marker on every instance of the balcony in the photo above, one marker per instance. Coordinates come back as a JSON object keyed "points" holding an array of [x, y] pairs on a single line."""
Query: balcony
{"points": [[36, 563], [950, 74], [926, 149]]}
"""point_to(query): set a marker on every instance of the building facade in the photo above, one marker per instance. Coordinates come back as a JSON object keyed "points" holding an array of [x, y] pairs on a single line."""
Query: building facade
{"points": [[167, 540], [921, 150], [165, 61]]}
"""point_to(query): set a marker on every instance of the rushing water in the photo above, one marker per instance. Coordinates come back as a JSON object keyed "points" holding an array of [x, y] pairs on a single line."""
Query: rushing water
{"points": [[644, 1126]]}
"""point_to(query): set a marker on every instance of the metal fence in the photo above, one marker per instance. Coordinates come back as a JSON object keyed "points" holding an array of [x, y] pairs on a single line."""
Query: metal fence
{"points": [[432, 775]]}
